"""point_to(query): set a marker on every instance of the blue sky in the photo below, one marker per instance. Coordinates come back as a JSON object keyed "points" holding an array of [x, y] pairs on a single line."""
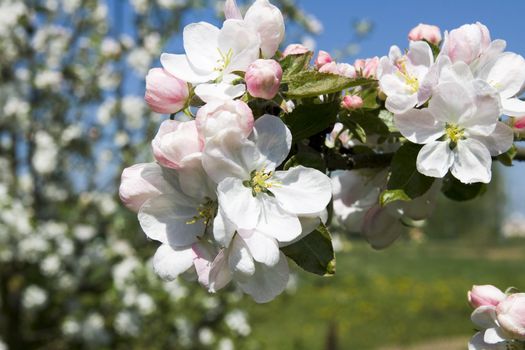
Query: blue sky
{"points": [[394, 19]]}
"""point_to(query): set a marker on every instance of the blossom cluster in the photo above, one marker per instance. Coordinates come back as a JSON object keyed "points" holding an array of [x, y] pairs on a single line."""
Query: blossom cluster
{"points": [[215, 198], [499, 317]]}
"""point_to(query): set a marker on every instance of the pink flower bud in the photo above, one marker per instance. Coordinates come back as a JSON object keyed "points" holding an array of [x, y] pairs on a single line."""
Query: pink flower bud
{"points": [[485, 295], [520, 123], [367, 68], [426, 32], [510, 314], [176, 142], [165, 93], [342, 69], [295, 49], [466, 43], [323, 58], [263, 78], [352, 102], [141, 182], [217, 116]]}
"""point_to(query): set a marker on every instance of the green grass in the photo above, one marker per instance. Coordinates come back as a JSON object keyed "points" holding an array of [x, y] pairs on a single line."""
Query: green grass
{"points": [[403, 295]]}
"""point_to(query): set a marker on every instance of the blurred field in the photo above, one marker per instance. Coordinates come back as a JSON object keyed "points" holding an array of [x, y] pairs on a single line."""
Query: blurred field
{"points": [[407, 297]]}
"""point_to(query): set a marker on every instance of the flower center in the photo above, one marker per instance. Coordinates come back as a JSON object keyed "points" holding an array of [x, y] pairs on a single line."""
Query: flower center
{"points": [[224, 61], [454, 132], [410, 80], [205, 212], [260, 182]]}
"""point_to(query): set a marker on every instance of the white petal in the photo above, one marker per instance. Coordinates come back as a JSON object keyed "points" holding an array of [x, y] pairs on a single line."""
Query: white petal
{"points": [[240, 260], [273, 139], [267, 282], [434, 159], [220, 274], [231, 11], [223, 229], [477, 343], [506, 74], [170, 262], [451, 102], [194, 181], [203, 256], [276, 222], [499, 141], [420, 54], [230, 154], [380, 228], [400, 103], [180, 67], [484, 317], [219, 92], [472, 162], [200, 44], [513, 107], [238, 204], [264, 249], [302, 191], [494, 336], [268, 21], [419, 126], [242, 40], [488, 107], [165, 219]]}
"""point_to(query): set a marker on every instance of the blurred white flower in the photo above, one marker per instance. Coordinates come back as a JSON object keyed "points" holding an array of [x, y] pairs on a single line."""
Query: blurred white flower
{"points": [[206, 336], [140, 60], [127, 323], [50, 265], [34, 297], [84, 232], [237, 321], [134, 109], [45, 156], [225, 344]]}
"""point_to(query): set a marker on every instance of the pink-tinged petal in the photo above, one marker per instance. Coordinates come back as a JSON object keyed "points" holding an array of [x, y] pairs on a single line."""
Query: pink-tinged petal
{"points": [[267, 20], [472, 162], [231, 10], [267, 282], [520, 123], [169, 262], [425, 32], [165, 93], [419, 126], [273, 139], [240, 260], [434, 159], [511, 315], [302, 191], [238, 203], [499, 141], [220, 274], [263, 78], [168, 219], [215, 117], [176, 141], [203, 256], [141, 182]]}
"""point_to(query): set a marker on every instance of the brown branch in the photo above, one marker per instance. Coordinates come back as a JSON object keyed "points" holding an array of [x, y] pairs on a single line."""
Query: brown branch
{"points": [[520, 154]]}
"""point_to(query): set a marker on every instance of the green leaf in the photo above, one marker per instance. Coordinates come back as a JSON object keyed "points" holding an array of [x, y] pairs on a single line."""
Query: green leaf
{"points": [[369, 97], [435, 49], [313, 83], [458, 191], [310, 119], [313, 253], [293, 64], [362, 123], [389, 196], [404, 175], [507, 157]]}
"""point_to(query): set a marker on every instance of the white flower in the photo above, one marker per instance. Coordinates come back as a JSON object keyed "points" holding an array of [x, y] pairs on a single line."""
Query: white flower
{"points": [[212, 53], [34, 297], [403, 77], [460, 131], [45, 157]]}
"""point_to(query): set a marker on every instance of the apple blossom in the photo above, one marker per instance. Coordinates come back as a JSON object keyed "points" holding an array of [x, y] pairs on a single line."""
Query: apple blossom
{"points": [[216, 116], [338, 133], [467, 120], [367, 68], [267, 20], [176, 143], [231, 10], [402, 76], [426, 32], [263, 78], [520, 123], [323, 58], [295, 49], [511, 315], [212, 53], [165, 93], [485, 295], [352, 102]]}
